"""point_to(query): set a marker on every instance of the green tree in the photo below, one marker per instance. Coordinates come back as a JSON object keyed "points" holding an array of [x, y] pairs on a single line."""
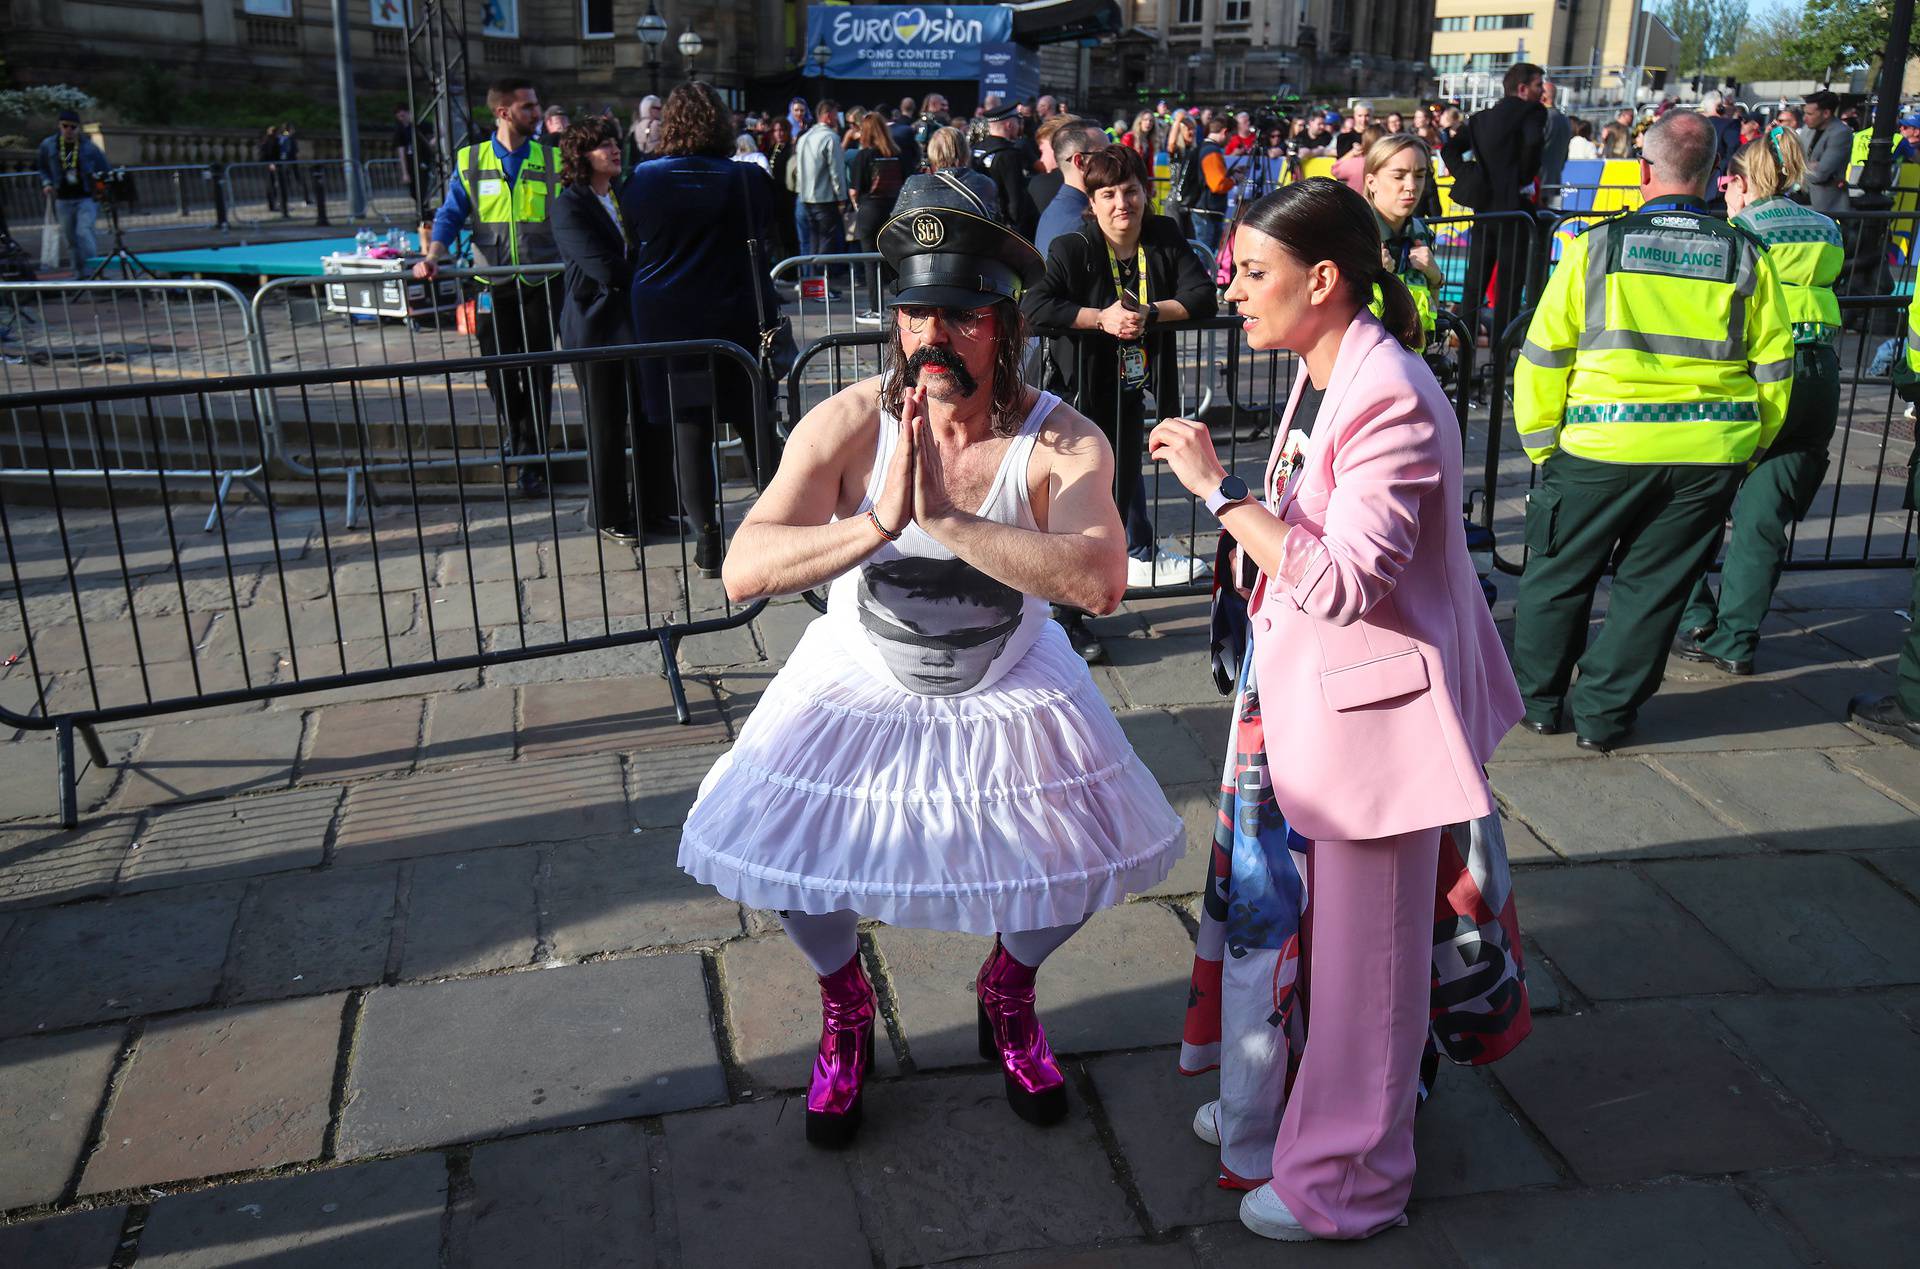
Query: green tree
{"points": [[1838, 34], [1766, 50], [1705, 30]]}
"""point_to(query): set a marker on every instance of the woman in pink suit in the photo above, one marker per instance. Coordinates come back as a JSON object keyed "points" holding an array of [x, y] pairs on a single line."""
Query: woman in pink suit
{"points": [[1386, 688]]}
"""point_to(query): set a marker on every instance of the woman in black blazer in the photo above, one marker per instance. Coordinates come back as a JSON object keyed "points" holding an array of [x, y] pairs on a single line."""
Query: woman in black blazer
{"points": [[594, 240], [1097, 329]]}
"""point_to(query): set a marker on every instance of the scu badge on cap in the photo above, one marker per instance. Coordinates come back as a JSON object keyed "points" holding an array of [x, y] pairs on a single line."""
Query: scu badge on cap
{"points": [[928, 231]]}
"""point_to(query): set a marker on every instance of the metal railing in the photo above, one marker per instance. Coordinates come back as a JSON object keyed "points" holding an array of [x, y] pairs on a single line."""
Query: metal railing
{"points": [[265, 193], [118, 614], [830, 292]]}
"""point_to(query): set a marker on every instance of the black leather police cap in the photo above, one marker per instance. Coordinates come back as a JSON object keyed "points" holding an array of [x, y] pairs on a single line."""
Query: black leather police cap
{"points": [[944, 247]]}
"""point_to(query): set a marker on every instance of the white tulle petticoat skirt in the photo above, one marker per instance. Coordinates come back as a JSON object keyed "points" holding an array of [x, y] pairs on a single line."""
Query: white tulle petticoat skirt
{"points": [[1017, 808]]}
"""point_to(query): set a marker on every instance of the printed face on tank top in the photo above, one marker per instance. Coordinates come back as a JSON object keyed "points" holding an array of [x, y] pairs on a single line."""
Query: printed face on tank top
{"points": [[938, 624]]}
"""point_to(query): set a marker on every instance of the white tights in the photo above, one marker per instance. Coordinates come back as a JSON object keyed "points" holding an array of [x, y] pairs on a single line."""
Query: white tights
{"points": [[828, 941]]}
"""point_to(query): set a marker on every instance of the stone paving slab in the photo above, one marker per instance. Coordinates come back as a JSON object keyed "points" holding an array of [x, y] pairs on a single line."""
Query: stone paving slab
{"points": [[773, 1013], [484, 1057], [1418, 1245], [93, 961], [472, 912], [1618, 809], [1734, 714], [227, 1091], [50, 1087], [1119, 983], [608, 715], [367, 738], [1103, 1255], [1199, 808], [306, 933], [29, 774], [1150, 1106], [468, 728], [1633, 1094], [382, 1215], [1468, 1142], [794, 1206], [625, 892], [1894, 768], [42, 864], [212, 757], [944, 1169], [1618, 938], [1868, 1099], [1793, 802], [626, 661], [1803, 921], [82, 1240], [235, 837], [1163, 670], [474, 808], [1855, 1219], [664, 782], [1167, 748], [575, 1198], [1675, 1225]]}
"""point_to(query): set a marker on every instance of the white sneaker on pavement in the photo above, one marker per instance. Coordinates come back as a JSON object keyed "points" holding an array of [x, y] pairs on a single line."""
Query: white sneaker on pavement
{"points": [[1206, 1124], [1166, 568], [869, 318], [1266, 1214]]}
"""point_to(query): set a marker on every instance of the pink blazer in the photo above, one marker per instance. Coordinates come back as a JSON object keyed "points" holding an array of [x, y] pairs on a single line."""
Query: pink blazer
{"points": [[1374, 650]]}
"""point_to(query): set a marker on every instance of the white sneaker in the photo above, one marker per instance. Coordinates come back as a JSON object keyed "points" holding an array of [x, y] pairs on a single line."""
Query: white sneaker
{"points": [[1206, 1124], [1166, 568], [1266, 1214], [869, 318]]}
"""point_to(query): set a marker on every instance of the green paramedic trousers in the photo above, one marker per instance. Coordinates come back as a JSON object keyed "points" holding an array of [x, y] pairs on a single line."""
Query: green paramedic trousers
{"points": [[1659, 525]]}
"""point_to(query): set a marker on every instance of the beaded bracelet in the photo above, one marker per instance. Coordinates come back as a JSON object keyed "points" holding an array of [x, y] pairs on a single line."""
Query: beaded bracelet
{"points": [[892, 535]]}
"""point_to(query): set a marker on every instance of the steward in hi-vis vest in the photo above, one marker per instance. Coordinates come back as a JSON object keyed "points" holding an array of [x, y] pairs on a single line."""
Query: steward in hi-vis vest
{"points": [[1657, 366], [500, 192], [1898, 714], [1805, 250]]}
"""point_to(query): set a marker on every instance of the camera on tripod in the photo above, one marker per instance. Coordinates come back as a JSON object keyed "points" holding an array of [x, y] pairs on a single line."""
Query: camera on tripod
{"points": [[116, 187]]}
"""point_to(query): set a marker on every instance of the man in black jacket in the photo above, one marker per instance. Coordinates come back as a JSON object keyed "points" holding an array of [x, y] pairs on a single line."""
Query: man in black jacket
{"points": [[1507, 138], [998, 155]]}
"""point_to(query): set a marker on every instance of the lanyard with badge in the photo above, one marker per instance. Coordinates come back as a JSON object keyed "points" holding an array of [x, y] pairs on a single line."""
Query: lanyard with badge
{"points": [[1133, 356]]}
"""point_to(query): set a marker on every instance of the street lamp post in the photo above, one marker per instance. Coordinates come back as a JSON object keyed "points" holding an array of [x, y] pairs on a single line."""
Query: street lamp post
{"points": [[652, 30], [690, 45]]}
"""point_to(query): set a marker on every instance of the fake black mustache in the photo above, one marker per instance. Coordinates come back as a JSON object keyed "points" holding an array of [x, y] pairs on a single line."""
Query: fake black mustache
{"points": [[946, 359]]}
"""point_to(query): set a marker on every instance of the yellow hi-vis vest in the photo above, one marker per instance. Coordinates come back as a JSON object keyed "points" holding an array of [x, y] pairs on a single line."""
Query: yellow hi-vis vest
{"points": [[1913, 340], [509, 223], [1807, 257], [1661, 337], [1416, 233]]}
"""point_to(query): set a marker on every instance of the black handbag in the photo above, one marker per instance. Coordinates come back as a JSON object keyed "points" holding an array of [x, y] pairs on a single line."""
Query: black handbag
{"points": [[1472, 188]]}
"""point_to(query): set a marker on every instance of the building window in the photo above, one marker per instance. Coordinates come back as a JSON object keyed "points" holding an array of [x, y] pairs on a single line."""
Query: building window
{"points": [[1337, 16], [268, 8], [1233, 76], [1449, 63], [500, 19], [1189, 11], [1236, 11], [596, 19], [1451, 24], [1502, 22]]}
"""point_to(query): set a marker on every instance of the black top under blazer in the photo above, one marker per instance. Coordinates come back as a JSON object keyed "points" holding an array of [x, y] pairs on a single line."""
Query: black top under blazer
{"points": [[1078, 277], [596, 311]]}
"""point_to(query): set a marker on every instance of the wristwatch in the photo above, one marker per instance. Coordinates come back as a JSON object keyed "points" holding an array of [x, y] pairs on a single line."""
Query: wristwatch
{"points": [[1232, 489]]}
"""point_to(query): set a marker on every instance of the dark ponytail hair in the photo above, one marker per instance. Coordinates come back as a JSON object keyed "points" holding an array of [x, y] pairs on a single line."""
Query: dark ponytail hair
{"points": [[1322, 219]]}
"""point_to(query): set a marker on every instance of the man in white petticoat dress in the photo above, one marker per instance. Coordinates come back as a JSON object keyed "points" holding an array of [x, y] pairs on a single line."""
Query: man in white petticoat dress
{"points": [[934, 754]]}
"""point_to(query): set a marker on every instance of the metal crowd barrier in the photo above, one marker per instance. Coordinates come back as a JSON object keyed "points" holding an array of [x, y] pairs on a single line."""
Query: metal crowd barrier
{"points": [[262, 193], [85, 338], [831, 291], [146, 198], [118, 614]]}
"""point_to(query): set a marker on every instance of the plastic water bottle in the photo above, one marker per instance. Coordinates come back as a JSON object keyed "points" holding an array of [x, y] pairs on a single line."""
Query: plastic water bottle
{"points": [[360, 243], [397, 240]]}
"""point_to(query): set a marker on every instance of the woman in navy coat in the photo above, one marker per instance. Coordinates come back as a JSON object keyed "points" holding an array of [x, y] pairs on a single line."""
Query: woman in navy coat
{"points": [[596, 312], [693, 212]]}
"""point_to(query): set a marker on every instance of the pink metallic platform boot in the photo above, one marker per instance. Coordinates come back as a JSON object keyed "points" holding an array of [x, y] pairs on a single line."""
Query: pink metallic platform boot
{"points": [[1010, 1032], [847, 1009]]}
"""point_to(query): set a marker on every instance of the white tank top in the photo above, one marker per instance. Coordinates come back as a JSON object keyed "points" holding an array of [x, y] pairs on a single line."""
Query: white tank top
{"points": [[916, 615]]}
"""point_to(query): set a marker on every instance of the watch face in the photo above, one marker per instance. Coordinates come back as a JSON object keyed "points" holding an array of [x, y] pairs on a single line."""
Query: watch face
{"points": [[1233, 489]]}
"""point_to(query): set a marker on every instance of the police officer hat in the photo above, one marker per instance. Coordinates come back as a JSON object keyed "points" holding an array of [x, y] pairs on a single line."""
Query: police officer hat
{"points": [[1005, 110], [945, 247]]}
